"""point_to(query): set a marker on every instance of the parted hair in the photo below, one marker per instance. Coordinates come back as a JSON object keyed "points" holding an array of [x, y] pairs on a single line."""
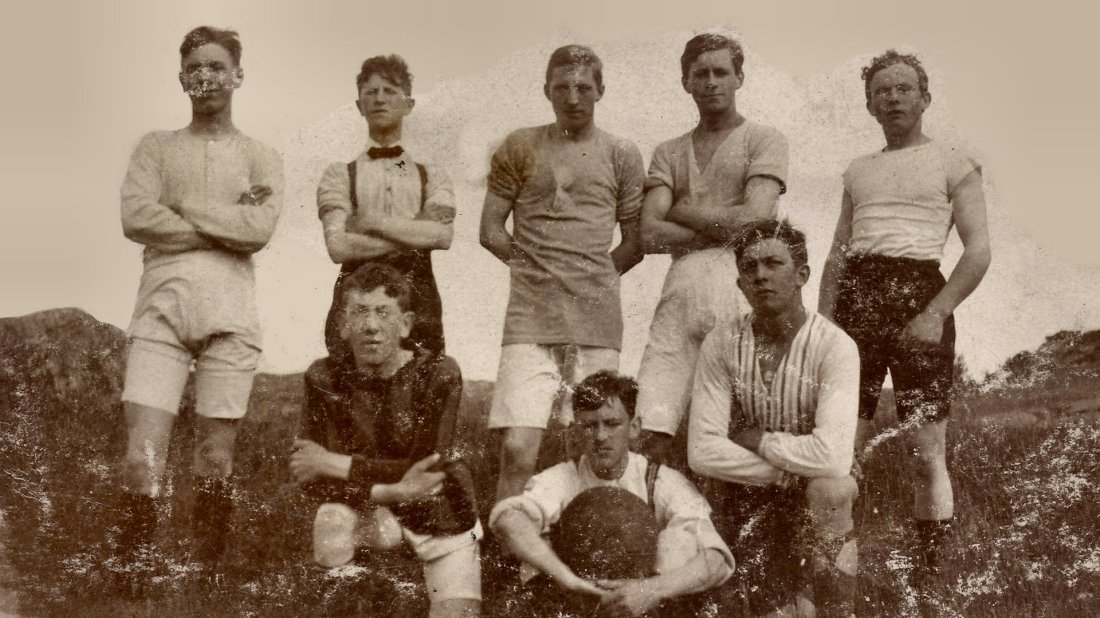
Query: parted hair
{"points": [[391, 67], [711, 41], [602, 386], [781, 230], [576, 55], [370, 277], [227, 39]]}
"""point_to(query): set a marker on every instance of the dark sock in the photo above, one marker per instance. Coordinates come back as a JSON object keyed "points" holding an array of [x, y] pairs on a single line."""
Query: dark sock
{"points": [[210, 515], [834, 591], [139, 524], [931, 540]]}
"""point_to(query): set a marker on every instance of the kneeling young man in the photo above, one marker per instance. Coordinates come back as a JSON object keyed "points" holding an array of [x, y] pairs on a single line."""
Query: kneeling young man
{"points": [[690, 556], [377, 433], [773, 420]]}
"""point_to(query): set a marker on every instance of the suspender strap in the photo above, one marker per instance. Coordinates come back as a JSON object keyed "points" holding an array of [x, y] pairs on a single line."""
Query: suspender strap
{"points": [[651, 470], [353, 169]]}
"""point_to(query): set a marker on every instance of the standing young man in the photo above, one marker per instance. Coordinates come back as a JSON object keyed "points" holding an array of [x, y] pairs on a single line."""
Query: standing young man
{"points": [[385, 207], [566, 186], [703, 187], [202, 200], [772, 425], [376, 448], [882, 282]]}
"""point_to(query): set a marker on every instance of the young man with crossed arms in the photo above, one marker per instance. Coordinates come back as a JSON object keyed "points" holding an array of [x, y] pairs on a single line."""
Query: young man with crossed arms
{"points": [[882, 283], [566, 186], [385, 207], [201, 200], [701, 190], [772, 428]]}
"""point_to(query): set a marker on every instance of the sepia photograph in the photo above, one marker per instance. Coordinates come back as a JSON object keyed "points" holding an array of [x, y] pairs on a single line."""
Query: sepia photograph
{"points": [[549, 309]]}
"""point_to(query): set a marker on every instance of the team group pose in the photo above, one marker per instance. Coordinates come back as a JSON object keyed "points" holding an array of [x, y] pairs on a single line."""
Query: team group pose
{"points": [[773, 401]]}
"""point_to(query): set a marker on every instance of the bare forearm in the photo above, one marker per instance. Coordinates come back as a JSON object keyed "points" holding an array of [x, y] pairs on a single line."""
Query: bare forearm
{"points": [[964, 279], [527, 544], [344, 247], [702, 572], [830, 282], [629, 252], [667, 237], [499, 242], [411, 233]]}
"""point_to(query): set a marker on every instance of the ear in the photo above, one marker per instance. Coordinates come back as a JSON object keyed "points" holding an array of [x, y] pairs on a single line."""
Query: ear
{"points": [[741, 284], [803, 274], [546, 90], [599, 92], [926, 99], [342, 328], [237, 77], [635, 429], [409, 104], [406, 323], [740, 80], [359, 106]]}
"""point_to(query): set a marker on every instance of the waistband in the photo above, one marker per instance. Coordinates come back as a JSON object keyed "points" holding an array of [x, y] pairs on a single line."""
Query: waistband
{"points": [[887, 262]]}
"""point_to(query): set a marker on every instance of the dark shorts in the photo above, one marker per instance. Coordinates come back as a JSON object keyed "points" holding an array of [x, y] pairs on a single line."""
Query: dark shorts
{"points": [[876, 297], [770, 533], [427, 329]]}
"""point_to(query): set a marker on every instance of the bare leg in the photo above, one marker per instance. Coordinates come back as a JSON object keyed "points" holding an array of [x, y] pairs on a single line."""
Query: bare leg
{"points": [[835, 557], [213, 504], [456, 608], [933, 499], [519, 452]]}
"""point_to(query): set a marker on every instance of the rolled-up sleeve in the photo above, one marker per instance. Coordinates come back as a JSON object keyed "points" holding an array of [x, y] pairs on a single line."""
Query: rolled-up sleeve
{"points": [[828, 450], [710, 451], [688, 530], [543, 498]]}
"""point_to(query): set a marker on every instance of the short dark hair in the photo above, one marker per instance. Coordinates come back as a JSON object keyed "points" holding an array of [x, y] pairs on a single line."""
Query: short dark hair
{"points": [[783, 231], [576, 55], [890, 58], [228, 39], [711, 41], [392, 68], [370, 277], [602, 386]]}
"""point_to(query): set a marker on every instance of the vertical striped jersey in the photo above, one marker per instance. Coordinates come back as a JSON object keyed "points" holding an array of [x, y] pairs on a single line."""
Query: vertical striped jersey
{"points": [[807, 408]]}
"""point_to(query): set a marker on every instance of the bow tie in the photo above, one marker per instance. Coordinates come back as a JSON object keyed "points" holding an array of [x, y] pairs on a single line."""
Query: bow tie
{"points": [[389, 152]]}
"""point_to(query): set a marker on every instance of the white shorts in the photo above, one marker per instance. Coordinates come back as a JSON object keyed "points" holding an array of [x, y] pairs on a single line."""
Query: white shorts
{"points": [[535, 379], [452, 564], [157, 372], [700, 291]]}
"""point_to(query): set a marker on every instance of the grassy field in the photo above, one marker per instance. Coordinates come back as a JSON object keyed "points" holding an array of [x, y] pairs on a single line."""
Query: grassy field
{"points": [[1026, 543]]}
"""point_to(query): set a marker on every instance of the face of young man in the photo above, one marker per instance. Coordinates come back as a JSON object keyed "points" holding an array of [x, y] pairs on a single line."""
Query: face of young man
{"points": [[209, 76], [383, 103], [769, 277], [573, 92], [896, 99], [712, 81], [374, 326], [606, 433]]}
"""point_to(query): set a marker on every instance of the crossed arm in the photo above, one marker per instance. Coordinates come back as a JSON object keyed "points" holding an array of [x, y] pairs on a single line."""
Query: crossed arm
{"points": [[688, 225], [373, 235], [244, 226]]}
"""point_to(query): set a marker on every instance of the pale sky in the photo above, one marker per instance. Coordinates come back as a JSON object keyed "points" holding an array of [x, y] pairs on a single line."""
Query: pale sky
{"points": [[84, 81]]}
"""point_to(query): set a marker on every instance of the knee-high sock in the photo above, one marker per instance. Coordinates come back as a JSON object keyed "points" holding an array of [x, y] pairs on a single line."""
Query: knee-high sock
{"points": [[210, 516], [834, 563], [931, 541], [139, 524]]}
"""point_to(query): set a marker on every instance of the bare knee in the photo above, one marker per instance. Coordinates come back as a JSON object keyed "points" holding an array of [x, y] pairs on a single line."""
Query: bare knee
{"points": [[334, 535], [830, 501], [213, 458], [455, 608], [381, 530], [519, 452]]}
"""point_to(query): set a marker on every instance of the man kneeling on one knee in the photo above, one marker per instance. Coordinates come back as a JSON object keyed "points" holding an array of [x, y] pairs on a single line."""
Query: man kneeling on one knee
{"points": [[772, 427], [376, 447], [625, 534]]}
